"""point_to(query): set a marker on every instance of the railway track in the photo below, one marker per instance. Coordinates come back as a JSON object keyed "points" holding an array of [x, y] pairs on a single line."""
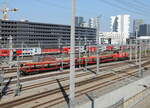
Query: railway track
{"points": [[14, 69], [40, 84], [59, 99], [83, 87], [36, 85], [40, 76], [13, 73]]}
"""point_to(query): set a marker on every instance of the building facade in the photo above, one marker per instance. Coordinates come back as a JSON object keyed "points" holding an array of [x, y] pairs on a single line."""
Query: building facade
{"points": [[93, 22], [144, 30], [79, 21], [136, 26], [114, 38], [41, 34], [120, 24]]}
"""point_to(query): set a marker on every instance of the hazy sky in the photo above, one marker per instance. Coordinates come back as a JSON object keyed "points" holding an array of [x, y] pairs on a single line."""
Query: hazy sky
{"points": [[58, 11]]}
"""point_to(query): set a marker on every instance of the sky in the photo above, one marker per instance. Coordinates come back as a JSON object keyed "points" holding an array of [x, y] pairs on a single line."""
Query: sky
{"points": [[59, 11]]}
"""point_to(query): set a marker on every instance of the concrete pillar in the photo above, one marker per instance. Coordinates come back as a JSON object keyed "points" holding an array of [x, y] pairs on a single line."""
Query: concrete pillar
{"points": [[72, 56]]}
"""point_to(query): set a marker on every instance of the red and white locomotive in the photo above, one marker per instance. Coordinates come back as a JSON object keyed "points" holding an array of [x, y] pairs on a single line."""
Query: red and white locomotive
{"points": [[20, 51]]}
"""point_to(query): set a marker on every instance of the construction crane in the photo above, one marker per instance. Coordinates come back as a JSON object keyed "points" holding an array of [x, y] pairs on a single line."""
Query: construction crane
{"points": [[5, 10]]}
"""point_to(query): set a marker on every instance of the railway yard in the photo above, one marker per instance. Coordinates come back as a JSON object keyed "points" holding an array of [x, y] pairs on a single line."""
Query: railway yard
{"points": [[44, 82], [51, 89], [82, 56], [83, 62]]}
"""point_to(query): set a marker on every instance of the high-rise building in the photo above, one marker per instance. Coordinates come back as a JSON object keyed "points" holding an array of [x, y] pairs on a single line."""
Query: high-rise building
{"points": [[136, 25], [144, 30], [120, 23], [79, 21], [85, 24], [93, 22]]}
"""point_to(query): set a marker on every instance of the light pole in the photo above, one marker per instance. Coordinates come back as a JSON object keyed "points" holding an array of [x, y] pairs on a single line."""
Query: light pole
{"points": [[19, 86], [130, 46], [22, 50], [97, 44], [1, 82], [1, 42], [85, 47], [60, 54], [140, 70], [72, 56], [145, 47], [79, 50], [10, 49], [136, 46]]}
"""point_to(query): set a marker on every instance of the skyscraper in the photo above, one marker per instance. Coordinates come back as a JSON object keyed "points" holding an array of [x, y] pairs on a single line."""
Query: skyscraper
{"points": [[79, 21], [93, 22], [136, 25], [144, 30], [120, 23]]}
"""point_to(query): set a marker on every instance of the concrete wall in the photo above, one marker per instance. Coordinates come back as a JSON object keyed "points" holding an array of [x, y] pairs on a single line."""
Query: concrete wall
{"points": [[115, 96]]}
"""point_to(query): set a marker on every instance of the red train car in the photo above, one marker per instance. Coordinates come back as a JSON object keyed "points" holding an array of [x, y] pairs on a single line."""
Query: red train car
{"points": [[6, 52], [109, 48], [30, 68]]}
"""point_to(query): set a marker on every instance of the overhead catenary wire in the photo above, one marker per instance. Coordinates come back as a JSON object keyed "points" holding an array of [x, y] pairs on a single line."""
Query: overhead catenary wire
{"points": [[112, 4], [140, 3], [132, 5], [63, 7]]}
